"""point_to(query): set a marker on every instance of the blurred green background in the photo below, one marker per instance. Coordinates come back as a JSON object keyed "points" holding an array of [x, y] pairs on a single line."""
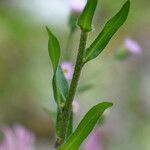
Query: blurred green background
{"points": [[26, 72]]}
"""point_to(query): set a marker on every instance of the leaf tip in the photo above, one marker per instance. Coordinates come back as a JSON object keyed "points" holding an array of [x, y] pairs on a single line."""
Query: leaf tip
{"points": [[86, 17], [127, 4], [107, 104]]}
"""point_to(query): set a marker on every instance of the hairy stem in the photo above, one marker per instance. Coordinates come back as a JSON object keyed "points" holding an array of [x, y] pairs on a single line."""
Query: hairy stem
{"points": [[77, 71], [67, 111]]}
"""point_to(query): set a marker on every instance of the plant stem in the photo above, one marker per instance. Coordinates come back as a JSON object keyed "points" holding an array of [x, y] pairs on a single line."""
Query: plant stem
{"points": [[73, 86], [77, 70]]}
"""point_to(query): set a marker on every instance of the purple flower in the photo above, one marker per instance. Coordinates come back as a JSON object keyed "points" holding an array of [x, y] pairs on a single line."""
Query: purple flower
{"points": [[67, 68], [75, 106], [77, 5], [17, 139], [132, 46], [94, 141]]}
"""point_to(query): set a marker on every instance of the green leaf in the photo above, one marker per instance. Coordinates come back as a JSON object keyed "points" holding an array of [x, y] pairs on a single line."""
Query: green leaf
{"points": [[109, 30], [85, 127], [53, 49], [86, 17], [60, 89], [62, 82], [60, 86]]}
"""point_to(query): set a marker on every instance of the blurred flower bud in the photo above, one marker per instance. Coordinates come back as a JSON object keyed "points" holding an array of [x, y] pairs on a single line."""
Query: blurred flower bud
{"points": [[122, 53], [75, 106], [76, 8], [67, 68], [132, 46], [77, 5], [129, 46]]}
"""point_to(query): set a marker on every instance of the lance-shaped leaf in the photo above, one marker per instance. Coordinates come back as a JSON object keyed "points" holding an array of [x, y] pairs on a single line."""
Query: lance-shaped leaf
{"points": [[86, 17], [60, 85], [85, 127], [53, 49], [61, 82], [109, 30]]}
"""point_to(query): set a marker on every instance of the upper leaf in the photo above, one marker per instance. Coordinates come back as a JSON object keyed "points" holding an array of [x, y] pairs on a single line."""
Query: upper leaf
{"points": [[109, 30], [85, 127], [60, 85], [53, 49], [85, 19]]}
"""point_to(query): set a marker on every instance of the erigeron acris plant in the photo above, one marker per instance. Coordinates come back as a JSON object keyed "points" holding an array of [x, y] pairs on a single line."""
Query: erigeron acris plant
{"points": [[67, 138]]}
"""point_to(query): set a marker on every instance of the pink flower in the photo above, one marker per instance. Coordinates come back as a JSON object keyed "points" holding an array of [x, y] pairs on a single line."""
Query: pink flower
{"points": [[67, 68], [94, 141], [17, 139], [132, 46], [77, 5], [75, 106]]}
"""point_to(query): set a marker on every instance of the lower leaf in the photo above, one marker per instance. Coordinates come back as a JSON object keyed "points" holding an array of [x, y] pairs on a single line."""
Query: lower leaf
{"points": [[85, 127]]}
